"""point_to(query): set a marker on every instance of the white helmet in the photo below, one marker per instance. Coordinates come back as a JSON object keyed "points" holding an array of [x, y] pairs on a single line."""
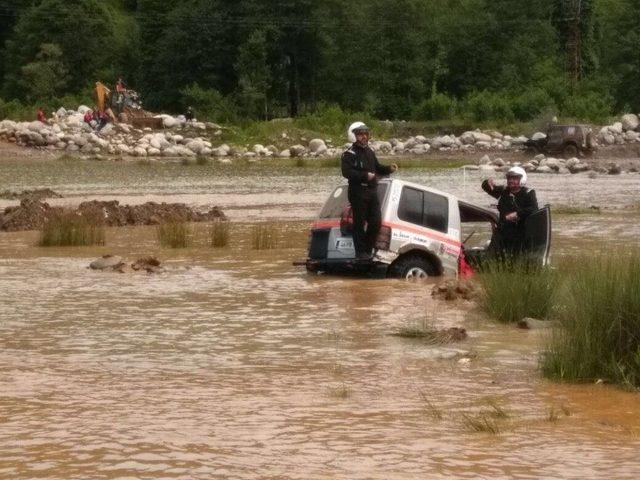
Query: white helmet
{"points": [[353, 127], [518, 172]]}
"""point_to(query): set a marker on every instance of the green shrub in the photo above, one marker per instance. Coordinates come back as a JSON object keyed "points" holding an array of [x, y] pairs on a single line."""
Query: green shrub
{"points": [[69, 229], [174, 234], [515, 289], [486, 106], [209, 104], [438, 107], [531, 104], [588, 106], [598, 335]]}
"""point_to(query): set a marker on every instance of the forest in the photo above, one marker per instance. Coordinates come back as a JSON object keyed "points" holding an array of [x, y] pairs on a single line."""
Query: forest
{"points": [[235, 60]]}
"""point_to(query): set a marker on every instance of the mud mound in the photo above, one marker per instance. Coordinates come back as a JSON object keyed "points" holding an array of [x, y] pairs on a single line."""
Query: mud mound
{"points": [[37, 194], [453, 289], [32, 214], [114, 263]]}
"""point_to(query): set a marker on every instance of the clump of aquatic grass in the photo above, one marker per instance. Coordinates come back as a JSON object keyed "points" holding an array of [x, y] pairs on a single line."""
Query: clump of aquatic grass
{"points": [[264, 237], [430, 408], [174, 234], [425, 332], [598, 335], [71, 229], [575, 210], [481, 422], [514, 289], [219, 234], [342, 391], [496, 410]]}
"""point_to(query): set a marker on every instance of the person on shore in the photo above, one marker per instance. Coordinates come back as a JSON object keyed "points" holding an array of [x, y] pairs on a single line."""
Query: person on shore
{"points": [[515, 203], [102, 119], [89, 119], [361, 168], [41, 115], [189, 115]]}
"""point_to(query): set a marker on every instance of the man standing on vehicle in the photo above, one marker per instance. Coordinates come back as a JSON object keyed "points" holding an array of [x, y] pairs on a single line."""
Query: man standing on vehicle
{"points": [[515, 203], [361, 167]]}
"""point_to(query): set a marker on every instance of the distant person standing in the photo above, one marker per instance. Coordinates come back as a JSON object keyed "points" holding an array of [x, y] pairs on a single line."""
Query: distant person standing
{"points": [[189, 115], [41, 115], [360, 167]]}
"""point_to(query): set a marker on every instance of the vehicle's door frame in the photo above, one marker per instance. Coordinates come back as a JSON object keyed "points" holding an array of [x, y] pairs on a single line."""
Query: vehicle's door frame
{"points": [[546, 236]]}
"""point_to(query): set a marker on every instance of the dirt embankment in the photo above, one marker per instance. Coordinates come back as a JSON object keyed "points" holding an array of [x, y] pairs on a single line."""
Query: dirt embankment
{"points": [[32, 214]]}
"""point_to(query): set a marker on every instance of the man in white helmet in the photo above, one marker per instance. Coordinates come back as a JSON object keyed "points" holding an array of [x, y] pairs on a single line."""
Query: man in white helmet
{"points": [[361, 167], [515, 203]]}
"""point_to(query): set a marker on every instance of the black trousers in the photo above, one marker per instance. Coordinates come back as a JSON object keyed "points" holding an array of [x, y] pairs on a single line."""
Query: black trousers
{"points": [[366, 209]]}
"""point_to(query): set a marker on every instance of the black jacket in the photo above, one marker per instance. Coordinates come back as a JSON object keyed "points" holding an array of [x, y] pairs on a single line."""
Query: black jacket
{"points": [[524, 203], [357, 162]]}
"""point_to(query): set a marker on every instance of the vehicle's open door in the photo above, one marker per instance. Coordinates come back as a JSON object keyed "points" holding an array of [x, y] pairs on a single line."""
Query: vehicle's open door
{"points": [[538, 234]]}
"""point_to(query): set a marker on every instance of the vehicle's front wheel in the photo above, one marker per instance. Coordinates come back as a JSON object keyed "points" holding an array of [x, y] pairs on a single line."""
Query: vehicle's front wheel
{"points": [[412, 268], [570, 151]]}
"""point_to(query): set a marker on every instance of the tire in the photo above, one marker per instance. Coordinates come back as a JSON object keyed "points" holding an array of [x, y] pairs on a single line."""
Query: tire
{"points": [[412, 268], [570, 151]]}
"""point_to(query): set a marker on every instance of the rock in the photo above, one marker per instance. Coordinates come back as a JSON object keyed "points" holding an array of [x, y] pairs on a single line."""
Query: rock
{"points": [[61, 113], [616, 128], [498, 162], [82, 109], [484, 160], [538, 136], [467, 138], [544, 169], [563, 171], [481, 137], [453, 289], [487, 168], [37, 194], [317, 146], [195, 146], [285, 153], [529, 323], [140, 152], [381, 146], [421, 139], [107, 262], [147, 264], [608, 139], [630, 121], [614, 169], [578, 167], [297, 150]]}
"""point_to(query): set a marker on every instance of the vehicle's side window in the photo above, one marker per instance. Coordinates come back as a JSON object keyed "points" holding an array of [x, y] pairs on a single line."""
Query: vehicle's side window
{"points": [[436, 212], [411, 203], [424, 208]]}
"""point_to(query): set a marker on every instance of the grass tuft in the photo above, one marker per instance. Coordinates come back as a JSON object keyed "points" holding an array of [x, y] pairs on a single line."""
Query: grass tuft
{"points": [[342, 391], [69, 229], [513, 290], [598, 335], [174, 234], [482, 422], [264, 237], [219, 234], [430, 408]]}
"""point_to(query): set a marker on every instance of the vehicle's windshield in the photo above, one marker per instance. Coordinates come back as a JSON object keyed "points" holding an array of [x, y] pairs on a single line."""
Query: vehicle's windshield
{"points": [[338, 200]]}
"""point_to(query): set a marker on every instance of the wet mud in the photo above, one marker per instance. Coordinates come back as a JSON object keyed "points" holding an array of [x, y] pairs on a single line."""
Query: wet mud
{"points": [[231, 363]]}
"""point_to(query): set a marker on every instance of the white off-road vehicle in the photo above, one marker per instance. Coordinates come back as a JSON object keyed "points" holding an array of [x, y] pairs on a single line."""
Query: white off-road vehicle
{"points": [[421, 234]]}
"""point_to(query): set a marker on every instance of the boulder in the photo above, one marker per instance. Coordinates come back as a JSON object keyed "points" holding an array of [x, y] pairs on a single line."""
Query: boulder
{"points": [[140, 152], [614, 169], [285, 153], [630, 121], [297, 150], [467, 138], [529, 323], [544, 169], [484, 160], [317, 145], [498, 162], [195, 146], [616, 128], [538, 136], [481, 137], [107, 262], [421, 139], [82, 109]]}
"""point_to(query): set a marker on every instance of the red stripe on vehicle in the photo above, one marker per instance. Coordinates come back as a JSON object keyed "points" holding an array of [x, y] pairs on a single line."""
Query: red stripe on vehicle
{"points": [[335, 222]]}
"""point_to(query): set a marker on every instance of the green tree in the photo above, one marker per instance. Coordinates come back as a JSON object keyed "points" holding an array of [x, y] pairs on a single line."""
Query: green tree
{"points": [[83, 29], [254, 75], [45, 77]]}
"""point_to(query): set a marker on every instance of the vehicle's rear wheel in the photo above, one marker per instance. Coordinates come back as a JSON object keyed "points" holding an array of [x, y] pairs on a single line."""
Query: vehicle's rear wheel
{"points": [[412, 268], [570, 151]]}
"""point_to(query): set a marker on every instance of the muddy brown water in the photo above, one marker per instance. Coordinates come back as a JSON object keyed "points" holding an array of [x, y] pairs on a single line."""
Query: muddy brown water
{"points": [[234, 364]]}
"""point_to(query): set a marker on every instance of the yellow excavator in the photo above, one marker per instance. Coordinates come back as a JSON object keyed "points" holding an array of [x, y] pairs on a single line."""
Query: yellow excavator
{"points": [[127, 106]]}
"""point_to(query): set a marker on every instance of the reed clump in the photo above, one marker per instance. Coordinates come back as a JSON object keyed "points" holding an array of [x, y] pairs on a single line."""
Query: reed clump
{"points": [[70, 229], [598, 333], [515, 289], [219, 234], [174, 234], [264, 237]]}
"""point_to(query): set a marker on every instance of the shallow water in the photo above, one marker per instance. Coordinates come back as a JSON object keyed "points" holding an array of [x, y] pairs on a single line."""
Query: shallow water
{"points": [[234, 364]]}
